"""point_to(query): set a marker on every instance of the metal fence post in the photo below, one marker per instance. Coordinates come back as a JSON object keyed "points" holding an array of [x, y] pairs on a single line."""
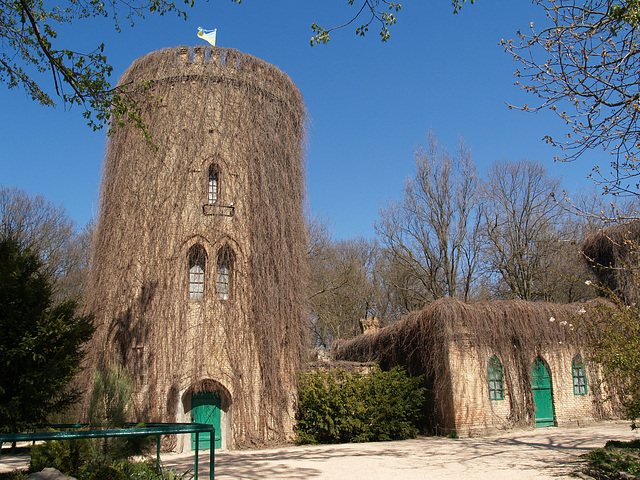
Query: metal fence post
{"points": [[196, 462], [212, 452], [158, 454]]}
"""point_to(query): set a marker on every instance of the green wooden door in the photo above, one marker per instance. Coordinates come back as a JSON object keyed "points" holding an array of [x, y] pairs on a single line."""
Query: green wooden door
{"points": [[541, 386], [205, 408]]}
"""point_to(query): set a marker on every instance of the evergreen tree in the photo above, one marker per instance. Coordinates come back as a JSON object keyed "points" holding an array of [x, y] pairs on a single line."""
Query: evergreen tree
{"points": [[40, 344]]}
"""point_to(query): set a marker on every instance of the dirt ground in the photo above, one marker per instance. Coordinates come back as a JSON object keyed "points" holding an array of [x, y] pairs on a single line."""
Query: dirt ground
{"points": [[548, 453]]}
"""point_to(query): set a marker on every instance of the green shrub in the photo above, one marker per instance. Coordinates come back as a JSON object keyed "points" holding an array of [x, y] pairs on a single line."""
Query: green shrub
{"points": [[111, 397], [15, 475], [68, 456], [615, 459], [108, 473], [612, 335], [110, 404], [148, 471], [339, 407]]}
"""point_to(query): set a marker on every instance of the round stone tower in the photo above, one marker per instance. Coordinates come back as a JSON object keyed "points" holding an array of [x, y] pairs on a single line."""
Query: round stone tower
{"points": [[197, 282]]}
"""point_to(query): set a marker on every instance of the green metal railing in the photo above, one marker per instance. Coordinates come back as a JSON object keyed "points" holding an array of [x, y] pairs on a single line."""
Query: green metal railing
{"points": [[69, 432]]}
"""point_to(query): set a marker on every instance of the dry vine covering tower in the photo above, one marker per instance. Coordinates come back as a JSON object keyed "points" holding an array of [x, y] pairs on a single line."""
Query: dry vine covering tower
{"points": [[198, 273]]}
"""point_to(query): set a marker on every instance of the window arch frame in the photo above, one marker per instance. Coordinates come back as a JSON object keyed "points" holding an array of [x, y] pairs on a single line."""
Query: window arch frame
{"points": [[225, 273], [495, 379], [579, 376], [197, 269]]}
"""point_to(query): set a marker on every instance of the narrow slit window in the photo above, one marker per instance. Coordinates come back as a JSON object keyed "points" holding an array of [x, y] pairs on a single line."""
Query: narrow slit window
{"points": [[579, 376], [213, 185], [224, 274], [197, 263], [496, 385]]}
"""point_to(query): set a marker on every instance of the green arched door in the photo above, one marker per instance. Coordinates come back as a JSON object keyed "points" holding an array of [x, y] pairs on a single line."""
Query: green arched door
{"points": [[542, 396], [205, 408]]}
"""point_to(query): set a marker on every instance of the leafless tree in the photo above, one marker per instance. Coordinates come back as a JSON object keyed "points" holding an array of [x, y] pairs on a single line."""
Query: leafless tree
{"points": [[343, 285], [520, 226], [431, 237], [583, 64], [48, 231]]}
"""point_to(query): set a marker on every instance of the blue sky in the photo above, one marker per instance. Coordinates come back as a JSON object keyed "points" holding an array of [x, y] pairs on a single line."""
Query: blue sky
{"points": [[369, 103]]}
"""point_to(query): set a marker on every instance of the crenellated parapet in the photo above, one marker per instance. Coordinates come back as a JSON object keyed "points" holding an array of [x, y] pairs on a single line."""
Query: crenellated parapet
{"points": [[206, 63]]}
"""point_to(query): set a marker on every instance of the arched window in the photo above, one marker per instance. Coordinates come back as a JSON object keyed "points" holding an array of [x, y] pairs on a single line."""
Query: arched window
{"points": [[197, 264], [224, 274], [496, 386], [579, 376], [214, 186]]}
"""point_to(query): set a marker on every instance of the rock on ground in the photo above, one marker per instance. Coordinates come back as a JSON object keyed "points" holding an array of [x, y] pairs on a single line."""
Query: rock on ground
{"points": [[49, 474]]}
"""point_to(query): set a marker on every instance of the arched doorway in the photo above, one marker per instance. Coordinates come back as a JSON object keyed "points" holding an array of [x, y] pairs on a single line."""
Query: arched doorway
{"points": [[206, 407], [542, 394]]}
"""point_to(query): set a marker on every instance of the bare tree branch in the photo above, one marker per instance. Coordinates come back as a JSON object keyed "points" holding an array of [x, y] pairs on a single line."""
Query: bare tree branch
{"points": [[584, 66]]}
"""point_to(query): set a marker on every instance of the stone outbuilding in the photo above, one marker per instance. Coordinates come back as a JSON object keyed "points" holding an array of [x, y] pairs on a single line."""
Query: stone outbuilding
{"points": [[495, 365]]}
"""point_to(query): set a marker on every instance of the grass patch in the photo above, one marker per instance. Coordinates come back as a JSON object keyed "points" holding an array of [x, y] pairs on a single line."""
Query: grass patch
{"points": [[616, 460]]}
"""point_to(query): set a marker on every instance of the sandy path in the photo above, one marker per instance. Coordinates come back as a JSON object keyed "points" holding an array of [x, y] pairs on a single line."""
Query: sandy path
{"points": [[548, 453]]}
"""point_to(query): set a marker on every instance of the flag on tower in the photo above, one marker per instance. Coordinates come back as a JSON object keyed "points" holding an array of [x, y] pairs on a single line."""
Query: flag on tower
{"points": [[208, 35]]}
